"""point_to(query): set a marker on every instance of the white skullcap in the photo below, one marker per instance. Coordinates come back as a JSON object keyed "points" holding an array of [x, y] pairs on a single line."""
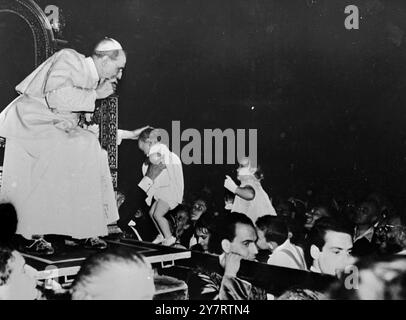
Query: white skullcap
{"points": [[108, 44]]}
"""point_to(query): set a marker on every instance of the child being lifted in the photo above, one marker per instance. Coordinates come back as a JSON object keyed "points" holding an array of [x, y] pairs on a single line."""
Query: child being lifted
{"points": [[167, 188]]}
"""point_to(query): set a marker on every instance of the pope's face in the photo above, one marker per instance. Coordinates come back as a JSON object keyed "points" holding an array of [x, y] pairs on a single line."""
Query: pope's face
{"points": [[113, 69]]}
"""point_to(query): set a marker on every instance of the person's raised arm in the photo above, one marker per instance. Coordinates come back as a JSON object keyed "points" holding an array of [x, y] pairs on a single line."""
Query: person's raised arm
{"points": [[129, 134], [246, 192]]}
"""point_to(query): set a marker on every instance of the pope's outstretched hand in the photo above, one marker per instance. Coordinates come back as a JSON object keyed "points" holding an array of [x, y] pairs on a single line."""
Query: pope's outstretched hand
{"points": [[128, 134]]}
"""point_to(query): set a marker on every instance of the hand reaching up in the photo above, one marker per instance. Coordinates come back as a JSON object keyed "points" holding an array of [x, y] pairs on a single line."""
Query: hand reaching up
{"points": [[230, 185]]}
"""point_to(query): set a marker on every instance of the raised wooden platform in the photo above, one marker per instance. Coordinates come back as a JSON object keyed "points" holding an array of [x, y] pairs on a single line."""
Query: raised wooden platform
{"points": [[67, 261]]}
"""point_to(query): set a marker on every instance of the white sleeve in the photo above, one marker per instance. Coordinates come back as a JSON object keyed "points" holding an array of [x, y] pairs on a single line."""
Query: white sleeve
{"points": [[145, 183], [281, 259]]}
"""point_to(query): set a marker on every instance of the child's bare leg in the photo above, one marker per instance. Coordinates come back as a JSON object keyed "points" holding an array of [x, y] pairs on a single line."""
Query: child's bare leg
{"points": [[151, 213], [161, 209]]}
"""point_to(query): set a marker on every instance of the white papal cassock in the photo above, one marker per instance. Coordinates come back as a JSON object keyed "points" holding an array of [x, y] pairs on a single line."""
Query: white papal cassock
{"points": [[56, 173]]}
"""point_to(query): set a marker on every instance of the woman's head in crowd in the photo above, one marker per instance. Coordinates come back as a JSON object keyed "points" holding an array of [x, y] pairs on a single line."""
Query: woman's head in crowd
{"points": [[199, 207], [315, 213], [204, 228]]}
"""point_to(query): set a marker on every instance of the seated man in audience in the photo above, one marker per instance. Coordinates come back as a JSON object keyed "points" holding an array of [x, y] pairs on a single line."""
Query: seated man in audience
{"points": [[235, 237], [329, 246], [366, 218], [16, 283], [273, 232], [114, 275], [315, 213]]}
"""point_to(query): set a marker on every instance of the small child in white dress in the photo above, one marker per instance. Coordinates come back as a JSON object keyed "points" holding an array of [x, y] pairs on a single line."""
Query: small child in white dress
{"points": [[250, 198], [167, 188]]}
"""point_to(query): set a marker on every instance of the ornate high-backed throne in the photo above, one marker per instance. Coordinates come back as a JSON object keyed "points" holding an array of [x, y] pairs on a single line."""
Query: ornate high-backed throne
{"points": [[45, 44]]}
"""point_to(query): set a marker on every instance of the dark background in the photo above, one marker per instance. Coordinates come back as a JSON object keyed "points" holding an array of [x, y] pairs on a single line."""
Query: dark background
{"points": [[329, 102]]}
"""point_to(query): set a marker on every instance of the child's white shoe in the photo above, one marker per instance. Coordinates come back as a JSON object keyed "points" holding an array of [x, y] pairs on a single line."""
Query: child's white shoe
{"points": [[159, 238], [169, 241]]}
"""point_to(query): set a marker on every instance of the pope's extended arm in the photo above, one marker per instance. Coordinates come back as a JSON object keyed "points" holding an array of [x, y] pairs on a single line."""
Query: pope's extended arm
{"points": [[129, 134]]}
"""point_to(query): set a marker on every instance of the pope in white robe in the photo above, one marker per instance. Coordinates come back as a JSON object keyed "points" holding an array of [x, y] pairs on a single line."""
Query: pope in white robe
{"points": [[56, 173]]}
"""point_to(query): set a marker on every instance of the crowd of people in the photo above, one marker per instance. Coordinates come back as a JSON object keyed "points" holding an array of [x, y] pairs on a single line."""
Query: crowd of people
{"points": [[369, 237]]}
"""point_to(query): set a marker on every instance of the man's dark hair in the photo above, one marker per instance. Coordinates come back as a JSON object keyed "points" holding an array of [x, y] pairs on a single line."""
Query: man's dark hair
{"points": [[101, 261], [8, 224], [150, 133], [318, 232], [225, 228], [5, 255], [144, 135], [205, 222], [274, 228]]}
